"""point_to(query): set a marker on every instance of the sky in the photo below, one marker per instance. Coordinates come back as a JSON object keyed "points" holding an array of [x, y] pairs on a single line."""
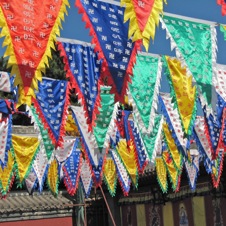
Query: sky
{"points": [[74, 27]]}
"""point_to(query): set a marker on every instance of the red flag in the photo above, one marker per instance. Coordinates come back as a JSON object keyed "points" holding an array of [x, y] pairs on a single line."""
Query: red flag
{"points": [[223, 6], [30, 28]]}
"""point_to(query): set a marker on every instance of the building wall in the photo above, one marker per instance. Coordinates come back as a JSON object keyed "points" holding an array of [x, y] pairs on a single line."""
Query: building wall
{"points": [[66, 221], [193, 211]]}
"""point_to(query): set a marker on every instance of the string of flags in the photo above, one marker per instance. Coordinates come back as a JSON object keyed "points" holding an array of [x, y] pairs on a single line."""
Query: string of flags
{"points": [[113, 144]]}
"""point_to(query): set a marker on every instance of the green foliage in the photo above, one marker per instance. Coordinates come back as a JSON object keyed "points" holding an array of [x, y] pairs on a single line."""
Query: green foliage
{"points": [[3, 64], [56, 66]]}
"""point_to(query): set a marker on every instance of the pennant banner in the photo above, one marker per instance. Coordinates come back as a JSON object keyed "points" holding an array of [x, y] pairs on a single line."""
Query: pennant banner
{"points": [[6, 83], [141, 156], [5, 138], [110, 36], [222, 3], [213, 131], [152, 142], [192, 172], [161, 174], [223, 29], [219, 81], [24, 151], [202, 142], [83, 69], [30, 29], [217, 168], [173, 173], [172, 148], [110, 176], [96, 144], [184, 94], [41, 166], [144, 16], [173, 121], [195, 45], [52, 177], [128, 159], [86, 177], [72, 169], [123, 176], [31, 181], [87, 136], [52, 107], [63, 153], [42, 132], [7, 175], [144, 89]]}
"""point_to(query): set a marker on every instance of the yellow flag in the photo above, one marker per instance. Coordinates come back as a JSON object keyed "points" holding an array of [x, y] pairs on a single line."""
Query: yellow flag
{"points": [[144, 17], [129, 160], [24, 151], [52, 177], [110, 176], [6, 175], [185, 93], [171, 169], [176, 155], [161, 174]]}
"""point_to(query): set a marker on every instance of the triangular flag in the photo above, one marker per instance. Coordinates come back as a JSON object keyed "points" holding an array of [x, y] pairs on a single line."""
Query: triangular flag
{"points": [[110, 176], [7, 175], [24, 151], [184, 94], [220, 80], [192, 172], [223, 29], [173, 173], [43, 133], [105, 120], [6, 83], [161, 174], [89, 140], [52, 107], [30, 28], [144, 16], [110, 36], [86, 177], [141, 156], [5, 138], [123, 176], [96, 144], [144, 89], [72, 169], [128, 158], [63, 153], [83, 69], [172, 148], [173, 121], [202, 142], [40, 166], [223, 6], [151, 141], [31, 181], [195, 45], [217, 167], [213, 131], [52, 177]]}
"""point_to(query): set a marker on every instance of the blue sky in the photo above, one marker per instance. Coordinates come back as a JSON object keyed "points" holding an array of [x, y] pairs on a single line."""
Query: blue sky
{"points": [[74, 28]]}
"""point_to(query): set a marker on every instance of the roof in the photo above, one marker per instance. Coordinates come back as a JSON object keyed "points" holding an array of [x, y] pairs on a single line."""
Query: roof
{"points": [[21, 206]]}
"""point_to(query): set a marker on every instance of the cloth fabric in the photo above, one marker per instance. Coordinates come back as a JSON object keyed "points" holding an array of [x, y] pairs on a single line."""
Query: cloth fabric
{"points": [[30, 47]]}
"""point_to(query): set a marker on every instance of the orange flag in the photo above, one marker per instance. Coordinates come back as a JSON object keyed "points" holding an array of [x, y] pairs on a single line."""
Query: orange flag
{"points": [[30, 28], [144, 16]]}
